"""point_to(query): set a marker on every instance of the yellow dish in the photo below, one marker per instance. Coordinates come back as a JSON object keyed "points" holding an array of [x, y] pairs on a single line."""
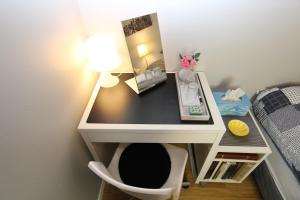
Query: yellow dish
{"points": [[238, 127]]}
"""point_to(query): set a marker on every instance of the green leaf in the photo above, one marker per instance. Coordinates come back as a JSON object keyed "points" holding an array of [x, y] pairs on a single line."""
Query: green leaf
{"points": [[197, 59], [197, 55], [180, 56]]}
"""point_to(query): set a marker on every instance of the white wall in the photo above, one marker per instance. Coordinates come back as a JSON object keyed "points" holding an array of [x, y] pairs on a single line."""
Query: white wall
{"points": [[246, 43], [43, 92]]}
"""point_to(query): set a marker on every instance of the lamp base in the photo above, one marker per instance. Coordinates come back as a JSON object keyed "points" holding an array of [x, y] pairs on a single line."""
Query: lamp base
{"points": [[107, 80]]}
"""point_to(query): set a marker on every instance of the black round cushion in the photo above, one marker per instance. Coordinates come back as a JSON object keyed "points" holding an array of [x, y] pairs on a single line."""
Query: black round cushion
{"points": [[145, 165]]}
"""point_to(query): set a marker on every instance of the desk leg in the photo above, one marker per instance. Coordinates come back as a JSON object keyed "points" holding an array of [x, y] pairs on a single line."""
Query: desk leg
{"points": [[209, 159], [90, 146]]}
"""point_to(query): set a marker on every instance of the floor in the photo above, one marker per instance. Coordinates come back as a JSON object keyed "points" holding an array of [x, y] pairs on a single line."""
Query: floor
{"points": [[211, 191]]}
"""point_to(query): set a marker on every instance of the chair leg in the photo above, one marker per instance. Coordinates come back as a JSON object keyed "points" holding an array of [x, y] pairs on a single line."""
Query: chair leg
{"points": [[185, 184]]}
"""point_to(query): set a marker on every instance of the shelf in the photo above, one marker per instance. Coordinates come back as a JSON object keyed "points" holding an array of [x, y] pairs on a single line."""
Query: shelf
{"points": [[236, 160], [228, 171], [253, 140], [237, 157], [221, 181]]}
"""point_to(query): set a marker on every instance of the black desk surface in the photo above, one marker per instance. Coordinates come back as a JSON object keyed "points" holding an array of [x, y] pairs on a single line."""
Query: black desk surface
{"points": [[121, 105]]}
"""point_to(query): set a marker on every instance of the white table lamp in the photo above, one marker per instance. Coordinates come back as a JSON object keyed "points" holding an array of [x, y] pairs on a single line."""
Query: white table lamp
{"points": [[103, 57], [143, 52]]}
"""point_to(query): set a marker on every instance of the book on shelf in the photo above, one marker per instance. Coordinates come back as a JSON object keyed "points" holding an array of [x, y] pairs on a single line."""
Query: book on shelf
{"points": [[221, 170], [232, 170], [218, 171], [211, 169], [244, 156], [229, 170], [244, 169]]}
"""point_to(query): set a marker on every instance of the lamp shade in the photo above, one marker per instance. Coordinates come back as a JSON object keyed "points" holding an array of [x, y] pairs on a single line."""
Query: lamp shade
{"points": [[102, 53], [142, 50]]}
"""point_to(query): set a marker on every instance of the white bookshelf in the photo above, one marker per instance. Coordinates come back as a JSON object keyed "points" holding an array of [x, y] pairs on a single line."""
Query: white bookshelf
{"points": [[253, 145]]}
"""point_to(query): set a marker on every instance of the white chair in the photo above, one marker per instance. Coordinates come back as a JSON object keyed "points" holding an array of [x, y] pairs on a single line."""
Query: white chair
{"points": [[170, 189]]}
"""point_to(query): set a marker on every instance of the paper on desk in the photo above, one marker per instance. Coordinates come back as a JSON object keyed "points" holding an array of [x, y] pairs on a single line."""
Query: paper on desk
{"points": [[189, 97], [233, 95]]}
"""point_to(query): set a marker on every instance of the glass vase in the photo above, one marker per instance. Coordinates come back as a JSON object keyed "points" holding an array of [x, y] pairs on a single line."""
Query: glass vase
{"points": [[187, 75]]}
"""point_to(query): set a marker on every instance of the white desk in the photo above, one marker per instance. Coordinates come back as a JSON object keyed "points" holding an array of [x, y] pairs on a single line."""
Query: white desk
{"points": [[109, 127]]}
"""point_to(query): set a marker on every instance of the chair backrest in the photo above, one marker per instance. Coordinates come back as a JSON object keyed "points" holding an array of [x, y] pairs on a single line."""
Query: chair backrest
{"points": [[99, 169]]}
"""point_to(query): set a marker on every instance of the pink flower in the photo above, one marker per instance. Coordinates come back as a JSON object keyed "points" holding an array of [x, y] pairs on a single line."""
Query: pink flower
{"points": [[187, 61]]}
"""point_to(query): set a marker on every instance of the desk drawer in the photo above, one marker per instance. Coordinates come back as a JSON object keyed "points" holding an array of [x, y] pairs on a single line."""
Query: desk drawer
{"points": [[152, 137]]}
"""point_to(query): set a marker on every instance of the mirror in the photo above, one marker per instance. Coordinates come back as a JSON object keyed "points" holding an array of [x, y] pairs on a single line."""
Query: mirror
{"points": [[145, 49]]}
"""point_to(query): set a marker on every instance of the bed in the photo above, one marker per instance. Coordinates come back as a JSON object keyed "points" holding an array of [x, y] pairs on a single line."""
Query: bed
{"points": [[277, 110]]}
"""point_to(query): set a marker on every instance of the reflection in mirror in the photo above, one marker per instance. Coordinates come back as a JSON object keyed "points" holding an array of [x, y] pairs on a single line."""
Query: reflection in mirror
{"points": [[145, 49]]}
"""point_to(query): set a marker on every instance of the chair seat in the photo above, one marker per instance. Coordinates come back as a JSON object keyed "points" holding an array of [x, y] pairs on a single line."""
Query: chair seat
{"points": [[145, 165]]}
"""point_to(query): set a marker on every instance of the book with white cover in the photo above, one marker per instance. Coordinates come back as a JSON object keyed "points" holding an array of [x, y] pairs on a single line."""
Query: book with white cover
{"points": [[223, 169]]}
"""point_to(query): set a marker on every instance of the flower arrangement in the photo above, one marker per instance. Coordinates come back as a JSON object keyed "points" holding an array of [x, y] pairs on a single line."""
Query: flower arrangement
{"points": [[188, 61]]}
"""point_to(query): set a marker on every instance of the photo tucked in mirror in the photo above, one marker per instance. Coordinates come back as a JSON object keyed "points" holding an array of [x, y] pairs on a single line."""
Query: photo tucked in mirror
{"points": [[145, 49]]}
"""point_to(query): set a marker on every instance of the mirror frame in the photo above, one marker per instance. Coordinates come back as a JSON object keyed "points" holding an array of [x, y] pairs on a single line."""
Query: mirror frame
{"points": [[143, 40]]}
